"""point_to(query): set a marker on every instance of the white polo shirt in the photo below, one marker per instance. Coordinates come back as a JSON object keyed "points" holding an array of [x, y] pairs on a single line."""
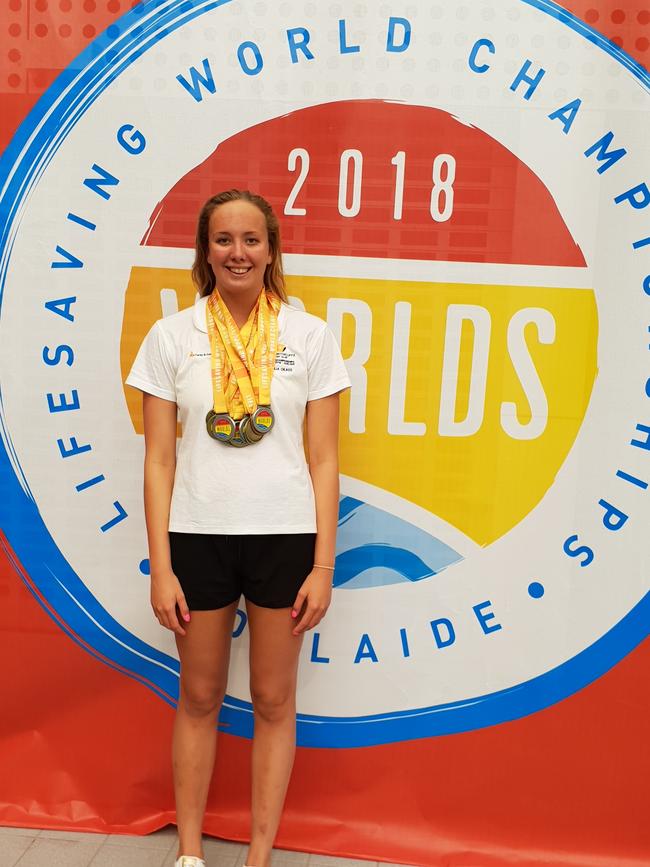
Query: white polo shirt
{"points": [[262, 488]]}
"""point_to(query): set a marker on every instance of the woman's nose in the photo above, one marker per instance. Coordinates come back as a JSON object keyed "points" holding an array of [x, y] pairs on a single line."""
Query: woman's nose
{"points": [[237, 250]]}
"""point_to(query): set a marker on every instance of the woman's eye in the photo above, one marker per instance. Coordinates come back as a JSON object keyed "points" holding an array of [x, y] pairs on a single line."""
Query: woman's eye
{"points": [[222, 241]]}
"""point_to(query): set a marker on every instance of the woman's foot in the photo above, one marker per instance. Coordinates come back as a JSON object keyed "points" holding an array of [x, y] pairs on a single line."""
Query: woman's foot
{"points": [[189, 861]]}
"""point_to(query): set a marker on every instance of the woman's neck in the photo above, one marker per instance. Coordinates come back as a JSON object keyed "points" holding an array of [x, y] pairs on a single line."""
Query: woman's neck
{"points": [[240, 305]]}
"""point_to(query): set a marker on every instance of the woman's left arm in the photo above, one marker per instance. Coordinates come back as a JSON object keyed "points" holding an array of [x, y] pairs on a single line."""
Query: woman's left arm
{"points": [[315, 594]]}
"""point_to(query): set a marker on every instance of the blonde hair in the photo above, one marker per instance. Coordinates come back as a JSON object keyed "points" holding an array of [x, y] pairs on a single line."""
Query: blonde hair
{"points": [[202, 273]]}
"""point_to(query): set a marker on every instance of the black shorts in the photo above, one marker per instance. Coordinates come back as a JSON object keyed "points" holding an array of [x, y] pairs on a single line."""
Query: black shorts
{"points": [[215, 570]]}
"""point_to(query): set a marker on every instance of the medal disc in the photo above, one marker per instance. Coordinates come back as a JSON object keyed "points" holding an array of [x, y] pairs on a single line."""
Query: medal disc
{"points": [[237, 440], [220, 426], [262, 419], [248, 432]]}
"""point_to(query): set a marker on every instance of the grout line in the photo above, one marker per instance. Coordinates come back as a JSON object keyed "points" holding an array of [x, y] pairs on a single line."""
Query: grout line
{"points": [[97, 853], [16, 863]]}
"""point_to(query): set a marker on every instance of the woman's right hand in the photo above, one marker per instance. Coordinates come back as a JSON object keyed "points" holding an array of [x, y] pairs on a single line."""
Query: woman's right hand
{"points": [[166, 595]]}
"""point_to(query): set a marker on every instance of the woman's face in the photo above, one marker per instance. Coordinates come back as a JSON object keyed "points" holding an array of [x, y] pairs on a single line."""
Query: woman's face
{"points": [[238, 248]]}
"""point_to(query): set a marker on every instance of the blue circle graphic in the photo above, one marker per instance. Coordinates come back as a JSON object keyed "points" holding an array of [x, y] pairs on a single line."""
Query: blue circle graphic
{"points": [[50, 577]]}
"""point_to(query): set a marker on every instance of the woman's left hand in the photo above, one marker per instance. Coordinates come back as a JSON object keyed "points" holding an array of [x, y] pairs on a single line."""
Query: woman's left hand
{"points": [[313, 599]]}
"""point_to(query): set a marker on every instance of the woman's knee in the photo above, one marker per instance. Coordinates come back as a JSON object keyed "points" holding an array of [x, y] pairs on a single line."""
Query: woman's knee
{"points": [[273, 704], [201, 698]]}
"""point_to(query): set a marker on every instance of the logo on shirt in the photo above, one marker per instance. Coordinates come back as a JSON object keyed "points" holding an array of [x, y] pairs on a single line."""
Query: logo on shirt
{"points": [[285, 360], [473, 227]]}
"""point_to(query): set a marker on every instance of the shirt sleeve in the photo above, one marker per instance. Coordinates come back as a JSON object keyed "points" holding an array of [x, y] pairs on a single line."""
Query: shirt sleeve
{"points": [[326, 369], [153, 370]]}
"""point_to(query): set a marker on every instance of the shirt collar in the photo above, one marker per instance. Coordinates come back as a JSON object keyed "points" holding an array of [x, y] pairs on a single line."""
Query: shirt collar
{"points": [[198, 316]]}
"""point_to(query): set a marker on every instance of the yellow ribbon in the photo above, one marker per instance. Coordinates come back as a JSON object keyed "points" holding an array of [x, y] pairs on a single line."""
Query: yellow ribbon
{"points": [[243, 359]]}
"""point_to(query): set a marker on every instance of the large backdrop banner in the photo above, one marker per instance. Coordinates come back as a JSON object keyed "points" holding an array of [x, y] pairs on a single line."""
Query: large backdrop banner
{"points": [[463, 194]]}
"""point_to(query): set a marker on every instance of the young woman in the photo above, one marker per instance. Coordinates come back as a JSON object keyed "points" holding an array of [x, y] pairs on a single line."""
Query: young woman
{"points": [[239, 509]]}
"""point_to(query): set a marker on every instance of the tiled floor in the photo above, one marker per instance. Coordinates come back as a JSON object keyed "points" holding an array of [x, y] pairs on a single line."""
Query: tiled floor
{"points": [[26, 847]]}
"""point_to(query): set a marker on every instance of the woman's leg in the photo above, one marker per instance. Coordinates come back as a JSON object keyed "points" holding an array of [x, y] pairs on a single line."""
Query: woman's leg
{"points": [[204, 653], [274, 666]]}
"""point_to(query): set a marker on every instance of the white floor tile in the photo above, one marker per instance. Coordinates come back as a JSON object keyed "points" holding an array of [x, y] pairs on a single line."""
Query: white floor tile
{"points": [[227, 852], [287, 856], [12, 847], [280, 862], [5, 831], [79, 836], [279, 858], [45, 852], [128, 856], [162, 840]]}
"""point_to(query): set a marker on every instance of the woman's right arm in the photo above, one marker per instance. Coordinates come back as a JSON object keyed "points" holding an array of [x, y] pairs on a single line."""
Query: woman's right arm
{"points": [[159, 468]]}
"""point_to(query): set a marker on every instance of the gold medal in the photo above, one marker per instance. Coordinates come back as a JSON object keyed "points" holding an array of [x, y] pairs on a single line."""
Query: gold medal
{"points": [[248, 431], [262, 419], [237, 440], [220, 426]]}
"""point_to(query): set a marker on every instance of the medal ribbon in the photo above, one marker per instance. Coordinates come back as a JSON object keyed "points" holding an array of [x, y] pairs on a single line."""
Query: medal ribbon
{"points": [[242, 361], [267, 344]]}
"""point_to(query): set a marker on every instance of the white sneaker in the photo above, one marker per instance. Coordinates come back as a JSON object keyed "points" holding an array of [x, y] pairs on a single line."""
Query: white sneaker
{"points": [[189, 861]]}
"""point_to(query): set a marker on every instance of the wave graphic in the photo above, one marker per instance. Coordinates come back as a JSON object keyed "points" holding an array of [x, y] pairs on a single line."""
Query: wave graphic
{"points": [[375, 548]]}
